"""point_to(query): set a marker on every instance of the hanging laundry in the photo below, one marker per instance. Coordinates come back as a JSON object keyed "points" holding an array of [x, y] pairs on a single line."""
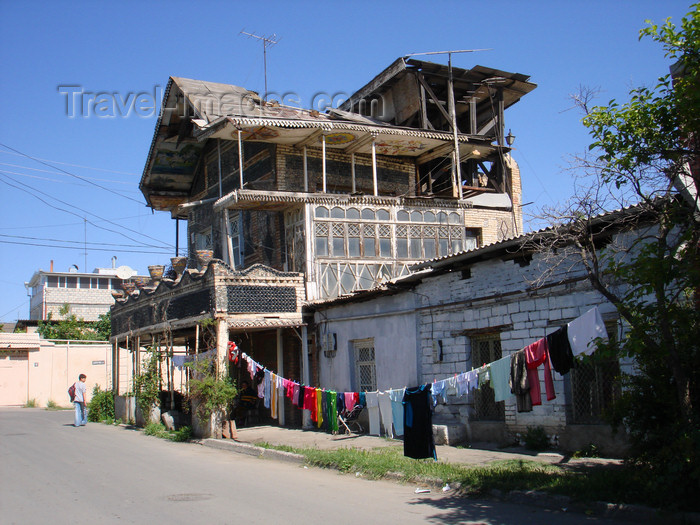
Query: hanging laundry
{"points": [[438, 392], [462, 384], [583, 331], [372, 403], [483, 375], [268, 389], [519, 382], [535, 355], [472, 380], [349, 401], [385, 412], [340, 402], [361, 399], [450, 386], [396, 397], [333, 411], [180, 360], [500, 374], [310, 399], [319, 408], [560, 353], [273, 396], [251, 367], [418, 440], [295, 395]]}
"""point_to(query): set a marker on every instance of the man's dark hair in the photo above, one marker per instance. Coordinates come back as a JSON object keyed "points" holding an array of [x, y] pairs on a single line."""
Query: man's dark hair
{"points": [[82, 376]]}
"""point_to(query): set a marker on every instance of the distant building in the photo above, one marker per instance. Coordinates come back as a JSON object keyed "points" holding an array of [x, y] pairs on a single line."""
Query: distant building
{"points": [[88, 294]]}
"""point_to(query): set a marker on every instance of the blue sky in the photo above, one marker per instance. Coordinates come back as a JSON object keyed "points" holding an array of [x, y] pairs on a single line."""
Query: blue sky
{"points": [[92, 165]]}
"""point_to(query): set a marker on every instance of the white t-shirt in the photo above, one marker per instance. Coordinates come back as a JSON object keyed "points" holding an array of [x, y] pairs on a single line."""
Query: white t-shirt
{"points": [[80, 391]]}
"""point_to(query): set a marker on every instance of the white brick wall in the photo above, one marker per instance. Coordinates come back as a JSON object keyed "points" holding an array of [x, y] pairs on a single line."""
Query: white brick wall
{"points": [[501, 293]]}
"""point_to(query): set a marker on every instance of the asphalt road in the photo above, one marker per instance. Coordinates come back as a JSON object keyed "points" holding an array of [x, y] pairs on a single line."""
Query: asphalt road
{"points": [[51, 472]]}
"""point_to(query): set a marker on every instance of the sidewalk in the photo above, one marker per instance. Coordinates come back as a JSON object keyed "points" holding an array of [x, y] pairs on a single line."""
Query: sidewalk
{"points": [[477, 454]]}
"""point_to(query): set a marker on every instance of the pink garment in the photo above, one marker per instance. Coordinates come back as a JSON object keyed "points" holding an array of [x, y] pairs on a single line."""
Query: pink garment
{"points": [[535, 355], [251, 368], [289, 387], [295, 394], [349, 402]]}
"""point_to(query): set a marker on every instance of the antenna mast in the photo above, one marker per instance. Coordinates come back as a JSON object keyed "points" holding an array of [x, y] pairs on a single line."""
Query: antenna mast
{"points": [[267, 41]]}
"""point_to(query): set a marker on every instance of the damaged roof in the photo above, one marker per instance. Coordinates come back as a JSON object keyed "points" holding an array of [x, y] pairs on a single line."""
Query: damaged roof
{"points": [[194, 111]]}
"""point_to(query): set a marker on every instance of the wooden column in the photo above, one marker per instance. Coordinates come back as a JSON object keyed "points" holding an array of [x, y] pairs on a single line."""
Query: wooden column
{"points": [[240, 159], [306, 172], [352, 163], [323, 161], [374, 166]]}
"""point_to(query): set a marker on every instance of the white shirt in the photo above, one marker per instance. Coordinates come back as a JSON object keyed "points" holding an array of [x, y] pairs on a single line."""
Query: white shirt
{"points": [[80, 391]]}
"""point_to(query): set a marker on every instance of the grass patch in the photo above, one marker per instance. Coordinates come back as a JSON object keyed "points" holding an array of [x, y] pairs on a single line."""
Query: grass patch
{"points": [[159, 430], [31, 403], [617, 484], [52, 405]]}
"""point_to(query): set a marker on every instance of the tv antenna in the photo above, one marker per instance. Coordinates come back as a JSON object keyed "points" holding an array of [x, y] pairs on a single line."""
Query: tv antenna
{"points": [[267, 41]]}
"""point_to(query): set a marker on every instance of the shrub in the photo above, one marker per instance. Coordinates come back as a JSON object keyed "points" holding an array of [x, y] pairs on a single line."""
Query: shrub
{"points": [[31, 403], [101, 405], [536, 438]]}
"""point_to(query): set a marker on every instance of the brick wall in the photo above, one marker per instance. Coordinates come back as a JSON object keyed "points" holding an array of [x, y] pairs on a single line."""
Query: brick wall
{"points": [[88, 304], [499, 296]]}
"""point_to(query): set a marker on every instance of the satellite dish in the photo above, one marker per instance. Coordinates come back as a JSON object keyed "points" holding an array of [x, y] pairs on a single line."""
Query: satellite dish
{"points": [[124, 272]]}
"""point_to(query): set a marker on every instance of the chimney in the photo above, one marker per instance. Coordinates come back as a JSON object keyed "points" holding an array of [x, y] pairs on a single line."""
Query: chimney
{"points": [[51, 270]]}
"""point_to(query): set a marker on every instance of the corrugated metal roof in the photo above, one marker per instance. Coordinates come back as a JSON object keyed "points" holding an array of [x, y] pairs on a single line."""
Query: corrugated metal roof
{"points": [[19, 341]]}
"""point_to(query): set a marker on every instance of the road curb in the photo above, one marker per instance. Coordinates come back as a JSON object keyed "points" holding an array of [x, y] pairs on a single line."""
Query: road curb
{"points": [[252, 450], [638, 513]]}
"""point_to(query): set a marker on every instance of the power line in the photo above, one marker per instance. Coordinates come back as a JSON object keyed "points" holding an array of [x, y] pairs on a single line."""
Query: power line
{"points": [[164, 251], [77, 242], [54, 171], [43, 227], [69, 173], [80, 209], [51, 180], [74, 165]]}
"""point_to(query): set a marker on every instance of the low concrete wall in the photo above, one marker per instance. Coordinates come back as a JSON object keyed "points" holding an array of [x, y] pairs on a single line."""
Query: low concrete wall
{"points": [[488, 432], [43, 370], [609, 444], [125, 408]]}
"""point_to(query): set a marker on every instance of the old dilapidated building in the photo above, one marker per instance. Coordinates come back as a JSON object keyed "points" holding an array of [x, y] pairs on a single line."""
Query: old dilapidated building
{"points": [[297, 205]]}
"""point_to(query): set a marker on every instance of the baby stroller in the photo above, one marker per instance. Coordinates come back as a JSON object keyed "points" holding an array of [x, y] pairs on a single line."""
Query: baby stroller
{"points": [[349, 418]]}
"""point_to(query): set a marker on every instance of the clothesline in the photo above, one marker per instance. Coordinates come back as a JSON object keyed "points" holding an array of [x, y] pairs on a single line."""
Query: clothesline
{"points": [[513, 375]]}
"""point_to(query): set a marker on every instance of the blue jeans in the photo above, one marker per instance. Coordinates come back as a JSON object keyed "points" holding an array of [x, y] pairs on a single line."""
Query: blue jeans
{"points": [[80, 414]]}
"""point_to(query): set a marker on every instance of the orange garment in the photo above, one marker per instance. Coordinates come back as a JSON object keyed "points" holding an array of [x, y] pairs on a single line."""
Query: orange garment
{"points": [[535, 355]]}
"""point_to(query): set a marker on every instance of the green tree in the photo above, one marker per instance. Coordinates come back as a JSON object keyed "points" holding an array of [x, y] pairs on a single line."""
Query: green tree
{"points": [[74, 328], [103, 327], [645, 152]]}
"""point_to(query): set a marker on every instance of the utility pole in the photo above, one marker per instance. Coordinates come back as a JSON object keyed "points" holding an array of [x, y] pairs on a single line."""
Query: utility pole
{"points": [[267, 41]]}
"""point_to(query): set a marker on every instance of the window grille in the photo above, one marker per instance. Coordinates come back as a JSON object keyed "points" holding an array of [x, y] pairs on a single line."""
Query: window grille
{"points": [[594, 386], [486, 349], [365, 367]]}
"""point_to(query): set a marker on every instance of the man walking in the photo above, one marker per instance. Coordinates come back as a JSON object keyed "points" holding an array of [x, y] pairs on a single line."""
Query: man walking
{"points": [[80, 401]]}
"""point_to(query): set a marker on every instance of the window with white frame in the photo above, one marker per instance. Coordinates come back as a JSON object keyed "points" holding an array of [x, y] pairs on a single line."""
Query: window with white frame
{"points": [[365, 366], [234, 220], [203, 240]]}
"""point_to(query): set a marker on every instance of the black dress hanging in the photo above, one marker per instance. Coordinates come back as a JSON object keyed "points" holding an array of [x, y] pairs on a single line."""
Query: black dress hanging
{"points": [[560, 353], [418, 440]]}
